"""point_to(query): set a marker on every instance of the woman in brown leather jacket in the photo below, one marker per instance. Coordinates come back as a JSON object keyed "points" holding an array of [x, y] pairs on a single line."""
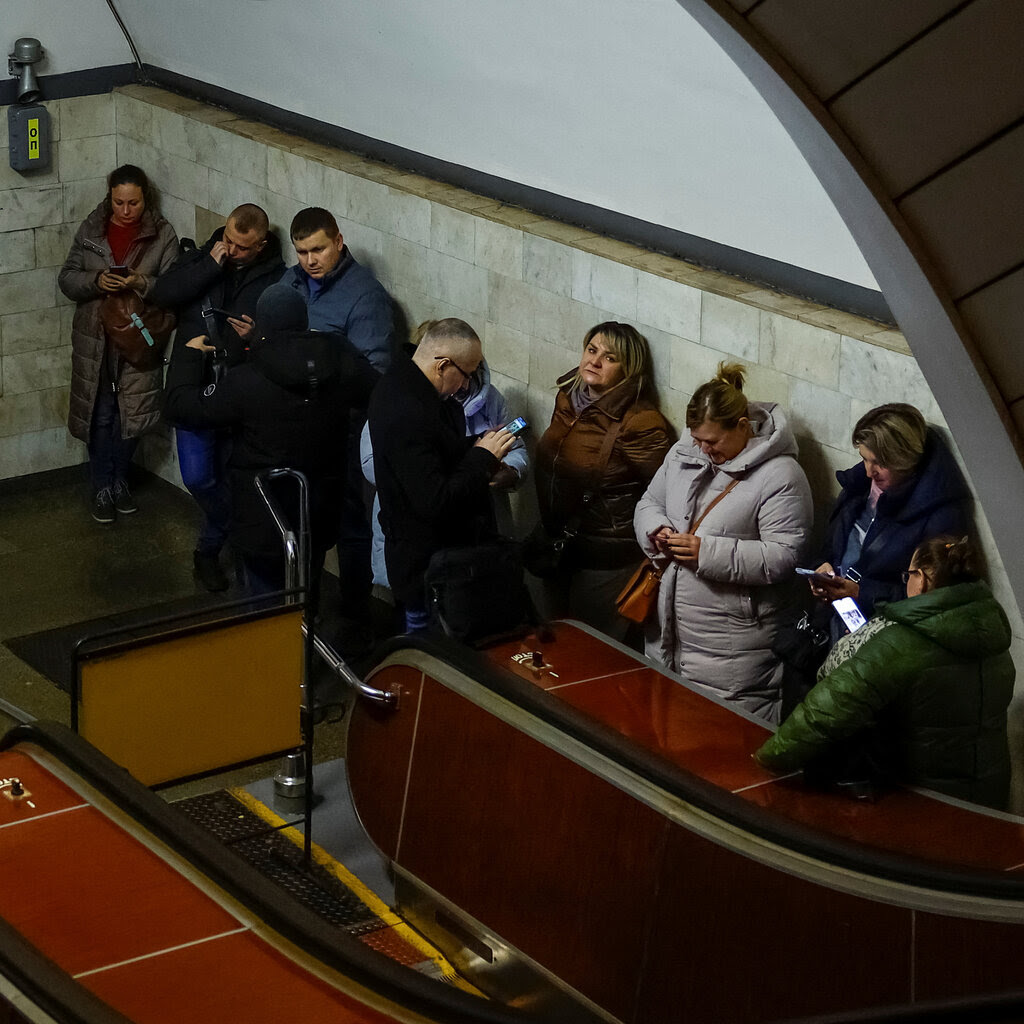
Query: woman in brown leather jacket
{"points": [[606, 440]]}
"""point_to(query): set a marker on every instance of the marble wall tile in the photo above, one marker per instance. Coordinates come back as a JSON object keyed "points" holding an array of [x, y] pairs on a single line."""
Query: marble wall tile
{"points": [[819, 413], [366, 244], [181, 215], [668, 306], [52, 242], [499, 248], [661, 345], [693, 364], [507, 351], [404, 265], [411, 308], [601, 282], [730, 326], [37, 452], [17, 251], [547, 264], [560, 321], [763, 384], [453, 232], [27, 332], [280, 210], [24, 208], [28, 290], [458, 283], [328, 187], [878, 375], [133, 117], [547, 364], [85, 116], [93, 157], [171, 134], [237, 157], [36, 370], [366, 202], [80, 198], [206, 223], [289, 175], [227, 191], [799, 349], [33, 410], [405, 216], [512, 303]]}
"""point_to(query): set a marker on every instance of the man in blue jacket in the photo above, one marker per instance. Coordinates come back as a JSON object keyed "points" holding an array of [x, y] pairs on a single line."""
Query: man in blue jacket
{"points": [[343, 296]]}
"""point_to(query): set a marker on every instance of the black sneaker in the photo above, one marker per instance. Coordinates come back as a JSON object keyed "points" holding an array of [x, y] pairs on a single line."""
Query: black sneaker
{"points": [[103, 509], [123, 500], [209, 572]]}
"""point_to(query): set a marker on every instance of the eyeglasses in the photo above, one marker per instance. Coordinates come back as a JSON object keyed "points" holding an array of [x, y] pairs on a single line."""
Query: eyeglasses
{"points": [[907, 573], [468, 376]]}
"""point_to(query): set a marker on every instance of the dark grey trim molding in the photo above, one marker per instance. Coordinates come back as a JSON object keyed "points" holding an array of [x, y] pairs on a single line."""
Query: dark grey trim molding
{"points": [[90, 82], [759, 270]]}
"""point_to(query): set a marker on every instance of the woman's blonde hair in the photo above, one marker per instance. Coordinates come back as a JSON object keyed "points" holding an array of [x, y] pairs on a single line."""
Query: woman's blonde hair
{"points": [[895, 434], [720, 400], [630, 348], [947, 560]]}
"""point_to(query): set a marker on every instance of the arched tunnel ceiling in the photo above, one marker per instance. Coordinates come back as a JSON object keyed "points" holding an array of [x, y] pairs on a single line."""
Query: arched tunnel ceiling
{"points": [[911, 113]]}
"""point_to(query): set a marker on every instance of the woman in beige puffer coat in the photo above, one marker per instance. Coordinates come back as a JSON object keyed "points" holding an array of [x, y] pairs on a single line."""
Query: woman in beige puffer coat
{"points": [[722, 595]]}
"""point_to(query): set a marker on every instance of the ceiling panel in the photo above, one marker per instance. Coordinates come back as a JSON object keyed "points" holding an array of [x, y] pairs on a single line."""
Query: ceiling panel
{"points": [[993, 316], [854, 34], [941, 97], [971, 218]]}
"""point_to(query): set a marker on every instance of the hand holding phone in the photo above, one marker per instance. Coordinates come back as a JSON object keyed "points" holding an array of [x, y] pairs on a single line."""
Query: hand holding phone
{"points": [[517, 426], [121, 270]]}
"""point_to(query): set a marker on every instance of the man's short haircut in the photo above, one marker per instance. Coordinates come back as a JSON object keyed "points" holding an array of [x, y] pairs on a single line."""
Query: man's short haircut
{"points": [[250, 217], [309, 221], [450, 335]]}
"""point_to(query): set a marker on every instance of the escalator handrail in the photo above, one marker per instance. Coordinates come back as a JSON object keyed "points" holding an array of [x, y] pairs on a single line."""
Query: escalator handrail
{"points": [[229, 872], [698, 792]]}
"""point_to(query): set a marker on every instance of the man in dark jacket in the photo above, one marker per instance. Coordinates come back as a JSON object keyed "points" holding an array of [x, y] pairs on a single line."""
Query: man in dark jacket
{"points": [[289, 406], [343, 296], [214, 291], [433, 481]]}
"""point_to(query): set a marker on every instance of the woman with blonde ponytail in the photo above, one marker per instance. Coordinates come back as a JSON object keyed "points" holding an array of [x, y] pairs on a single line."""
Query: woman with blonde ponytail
{"points": [[923, 687], [727, 515]]}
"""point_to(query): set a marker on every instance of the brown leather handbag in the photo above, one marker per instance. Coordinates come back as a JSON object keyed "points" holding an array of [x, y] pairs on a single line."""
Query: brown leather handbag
{"points": [[138, 332], [639, 596]]}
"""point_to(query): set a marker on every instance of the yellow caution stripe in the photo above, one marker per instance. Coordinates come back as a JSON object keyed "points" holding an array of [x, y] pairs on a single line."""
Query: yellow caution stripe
{"points": [[373, 902]]}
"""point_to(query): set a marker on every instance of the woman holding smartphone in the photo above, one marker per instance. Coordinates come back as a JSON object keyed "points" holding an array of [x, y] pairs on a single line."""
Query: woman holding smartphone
{"points": [[919, 693], [123, 244], [907, 488]]}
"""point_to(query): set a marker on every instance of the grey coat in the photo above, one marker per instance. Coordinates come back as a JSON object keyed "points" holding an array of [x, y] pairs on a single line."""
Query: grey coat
{"points": [[717, 624], [154, 250]]}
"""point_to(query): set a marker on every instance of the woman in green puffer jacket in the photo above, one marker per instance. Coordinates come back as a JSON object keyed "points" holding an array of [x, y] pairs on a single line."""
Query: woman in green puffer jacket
{"points": [[930, 676]]}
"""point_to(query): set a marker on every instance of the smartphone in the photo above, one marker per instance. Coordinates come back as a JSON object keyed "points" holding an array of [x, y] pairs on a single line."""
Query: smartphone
{"points": [[517, 426], [847, 610], [814, 574], [121, 270]]}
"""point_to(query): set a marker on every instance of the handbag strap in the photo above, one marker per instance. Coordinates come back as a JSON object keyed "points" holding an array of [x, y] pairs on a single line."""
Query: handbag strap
{"points": [[713, 504]]}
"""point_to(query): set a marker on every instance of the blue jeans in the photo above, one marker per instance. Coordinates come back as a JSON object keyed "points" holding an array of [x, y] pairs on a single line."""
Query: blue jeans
{"points": [[203, 458], [110, 454]]}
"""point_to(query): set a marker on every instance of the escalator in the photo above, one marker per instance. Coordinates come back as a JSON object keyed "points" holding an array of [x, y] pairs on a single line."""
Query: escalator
{"points": [[575, 828]]}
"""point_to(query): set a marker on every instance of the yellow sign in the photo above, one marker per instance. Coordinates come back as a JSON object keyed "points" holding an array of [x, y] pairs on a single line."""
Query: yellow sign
{"points": [[33, 138]]}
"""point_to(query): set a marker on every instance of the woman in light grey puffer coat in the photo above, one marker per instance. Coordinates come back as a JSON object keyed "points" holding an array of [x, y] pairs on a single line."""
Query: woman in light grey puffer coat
{"points": [[721, 601]]}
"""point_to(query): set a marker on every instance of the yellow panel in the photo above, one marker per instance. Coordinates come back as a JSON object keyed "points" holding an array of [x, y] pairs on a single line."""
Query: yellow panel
{"points": [[195, 703]]}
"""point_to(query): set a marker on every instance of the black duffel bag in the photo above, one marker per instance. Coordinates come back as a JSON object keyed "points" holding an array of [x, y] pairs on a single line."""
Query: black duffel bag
{"points": [[477, 595]]}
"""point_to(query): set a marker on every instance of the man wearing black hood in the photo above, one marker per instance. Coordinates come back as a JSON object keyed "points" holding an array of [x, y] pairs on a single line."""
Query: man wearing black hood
{"points": [[214, 290], [288, 405]]}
